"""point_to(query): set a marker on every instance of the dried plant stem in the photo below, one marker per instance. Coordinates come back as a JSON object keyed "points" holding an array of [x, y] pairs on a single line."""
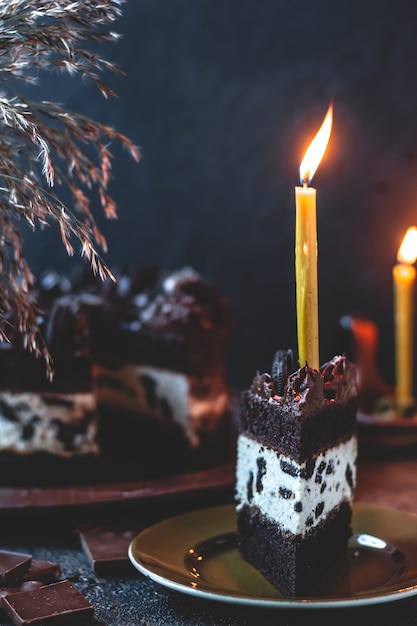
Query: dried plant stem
{"points": [[42, 143]]}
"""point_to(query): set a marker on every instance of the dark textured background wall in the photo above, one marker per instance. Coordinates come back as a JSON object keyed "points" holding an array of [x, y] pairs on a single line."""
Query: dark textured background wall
{"points": [[222, 96]]}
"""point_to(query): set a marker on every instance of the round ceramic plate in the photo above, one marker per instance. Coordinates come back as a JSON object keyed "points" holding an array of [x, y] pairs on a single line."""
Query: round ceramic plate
{"points": [[196, 553]]}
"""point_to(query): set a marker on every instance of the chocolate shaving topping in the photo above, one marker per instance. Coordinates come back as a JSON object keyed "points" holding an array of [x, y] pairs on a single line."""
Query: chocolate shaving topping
{"points": [[339, 377], [306, 389], [263, 386]]}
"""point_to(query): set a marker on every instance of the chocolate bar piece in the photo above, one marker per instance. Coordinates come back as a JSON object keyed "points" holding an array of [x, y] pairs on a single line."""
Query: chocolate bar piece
{"points": [[13, 565], [107, 548], [56, 604], [22, 586], [43, 571], [38, 574]]}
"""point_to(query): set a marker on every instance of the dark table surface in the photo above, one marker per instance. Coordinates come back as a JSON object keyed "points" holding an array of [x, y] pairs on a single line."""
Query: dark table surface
{"points": [[386, 479]]}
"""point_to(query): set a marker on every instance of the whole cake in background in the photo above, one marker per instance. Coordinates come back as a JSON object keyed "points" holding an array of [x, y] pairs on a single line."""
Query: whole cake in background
{"points": [[139, 386], [296, 470]]}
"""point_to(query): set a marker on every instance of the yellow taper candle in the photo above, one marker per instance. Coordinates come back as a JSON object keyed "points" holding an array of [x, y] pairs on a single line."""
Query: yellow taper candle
{"points": [[306, 276], [404, 277], [306, 249]]}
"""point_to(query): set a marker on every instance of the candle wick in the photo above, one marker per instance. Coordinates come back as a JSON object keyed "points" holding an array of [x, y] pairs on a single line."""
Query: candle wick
{"points": [[305, 182]]}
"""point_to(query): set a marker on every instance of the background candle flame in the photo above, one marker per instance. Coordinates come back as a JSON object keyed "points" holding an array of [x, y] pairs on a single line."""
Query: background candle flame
{"points": [[316, 149], [407, 252]]}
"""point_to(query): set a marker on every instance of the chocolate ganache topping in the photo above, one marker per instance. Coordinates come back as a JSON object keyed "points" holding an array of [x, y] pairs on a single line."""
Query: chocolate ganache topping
{"points": [[263, 386], [339, 376], [307, 389]]}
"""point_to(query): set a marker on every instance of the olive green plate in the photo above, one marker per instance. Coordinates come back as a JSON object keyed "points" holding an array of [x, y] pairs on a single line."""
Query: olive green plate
{"points": [[195, 553]]}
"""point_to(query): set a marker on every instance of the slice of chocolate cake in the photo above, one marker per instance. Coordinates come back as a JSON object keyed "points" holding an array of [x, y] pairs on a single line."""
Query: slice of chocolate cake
{"points": [[296, 469]]}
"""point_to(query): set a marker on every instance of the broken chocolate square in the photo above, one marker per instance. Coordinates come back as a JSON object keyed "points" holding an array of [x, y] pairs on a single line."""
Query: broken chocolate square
{"points": [[13, 565], [43, 571], [38, 574], [21, 586], [59, 603], [107, 548]]}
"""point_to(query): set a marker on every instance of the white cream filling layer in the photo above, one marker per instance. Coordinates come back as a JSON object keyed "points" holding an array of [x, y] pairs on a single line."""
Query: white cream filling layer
{"points": [[125, 388], [30, 424], [285, 492], [163, 395]]}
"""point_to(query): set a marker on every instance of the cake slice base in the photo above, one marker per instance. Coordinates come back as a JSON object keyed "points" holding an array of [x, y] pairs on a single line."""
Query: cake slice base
{"points": [[292, 563]]}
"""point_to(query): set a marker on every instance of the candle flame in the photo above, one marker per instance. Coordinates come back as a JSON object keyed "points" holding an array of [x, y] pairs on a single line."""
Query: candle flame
{"points": [[316, 149], [407, 252]]}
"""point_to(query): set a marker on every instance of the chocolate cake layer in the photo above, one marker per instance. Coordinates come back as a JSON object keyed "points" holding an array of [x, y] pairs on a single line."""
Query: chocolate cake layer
{"points": [[292, 565], [174, 321], [49, 470], [65, 329], [146, 446], [298, 437], [115, 344]]}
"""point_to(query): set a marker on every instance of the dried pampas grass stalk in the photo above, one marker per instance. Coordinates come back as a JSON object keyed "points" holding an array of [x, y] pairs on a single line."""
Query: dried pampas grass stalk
{"points": [[42, 143]]}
